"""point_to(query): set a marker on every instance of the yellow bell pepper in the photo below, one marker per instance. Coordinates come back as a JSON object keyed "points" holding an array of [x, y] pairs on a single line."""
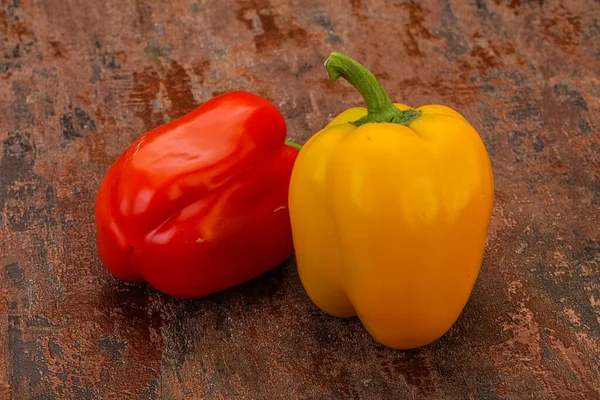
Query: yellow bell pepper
{"points": [[390, 208]]}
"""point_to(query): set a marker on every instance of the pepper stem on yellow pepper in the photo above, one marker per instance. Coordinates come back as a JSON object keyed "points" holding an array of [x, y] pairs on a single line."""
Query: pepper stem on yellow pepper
{"points": [[380, 107]]}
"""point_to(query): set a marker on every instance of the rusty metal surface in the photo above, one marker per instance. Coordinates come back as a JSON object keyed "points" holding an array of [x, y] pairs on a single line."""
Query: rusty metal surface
{"points": [[80, 80]]}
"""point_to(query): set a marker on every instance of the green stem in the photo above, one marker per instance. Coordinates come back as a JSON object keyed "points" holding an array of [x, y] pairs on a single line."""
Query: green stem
{"points": [[293, 144], [380, 107]]}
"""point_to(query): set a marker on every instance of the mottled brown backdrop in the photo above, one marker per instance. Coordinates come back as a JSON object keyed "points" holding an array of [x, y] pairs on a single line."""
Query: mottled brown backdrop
{"points": [[80, 80]]}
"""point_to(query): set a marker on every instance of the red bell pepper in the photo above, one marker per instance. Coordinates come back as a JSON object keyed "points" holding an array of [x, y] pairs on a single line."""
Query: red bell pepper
{"points": [[199, 204]]}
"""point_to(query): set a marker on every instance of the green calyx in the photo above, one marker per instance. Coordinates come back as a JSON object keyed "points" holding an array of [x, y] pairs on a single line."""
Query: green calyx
{"points": [[293, 144], [380, 107]]}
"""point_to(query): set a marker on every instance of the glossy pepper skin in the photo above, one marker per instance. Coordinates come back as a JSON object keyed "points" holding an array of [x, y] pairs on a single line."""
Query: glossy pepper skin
{"points": [[390, 211], [199, 204]]}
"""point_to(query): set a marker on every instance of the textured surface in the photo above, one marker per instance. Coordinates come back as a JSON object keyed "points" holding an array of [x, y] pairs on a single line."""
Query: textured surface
{"points": [[80, 80]]}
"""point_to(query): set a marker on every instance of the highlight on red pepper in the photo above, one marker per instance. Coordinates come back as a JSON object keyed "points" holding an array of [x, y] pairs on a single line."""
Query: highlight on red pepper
{"points": [[199, 205]]}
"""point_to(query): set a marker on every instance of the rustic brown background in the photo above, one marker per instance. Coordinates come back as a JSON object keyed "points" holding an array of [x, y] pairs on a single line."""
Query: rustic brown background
{"points": [[80, 80]]}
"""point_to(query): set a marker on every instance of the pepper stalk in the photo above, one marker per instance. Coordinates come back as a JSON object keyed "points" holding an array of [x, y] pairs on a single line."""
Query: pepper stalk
{"points": [[380, 107]]}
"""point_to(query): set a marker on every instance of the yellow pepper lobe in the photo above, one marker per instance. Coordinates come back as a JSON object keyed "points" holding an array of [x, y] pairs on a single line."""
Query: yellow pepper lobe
{"points": [[319, 261], [390, 221]]}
